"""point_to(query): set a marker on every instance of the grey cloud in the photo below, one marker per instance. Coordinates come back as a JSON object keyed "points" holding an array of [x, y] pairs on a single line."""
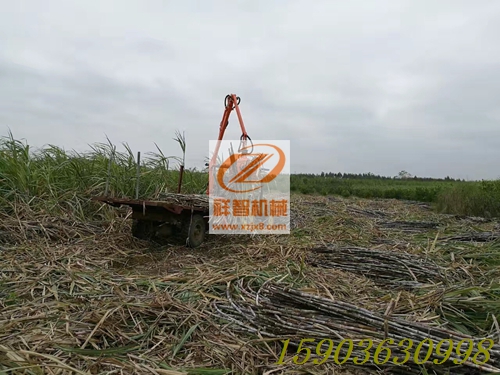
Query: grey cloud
{"points": [[356, 87], [58, 109]]}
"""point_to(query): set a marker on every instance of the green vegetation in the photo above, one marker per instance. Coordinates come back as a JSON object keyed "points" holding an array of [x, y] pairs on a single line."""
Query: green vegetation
{"points": [[54, 179], [87, 297], [360, 186], [476, 198]]}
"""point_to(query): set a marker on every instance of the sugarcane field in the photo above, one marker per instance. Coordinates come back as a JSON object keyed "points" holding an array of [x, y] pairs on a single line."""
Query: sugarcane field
{"points": [[249, 187], [358, 279]]}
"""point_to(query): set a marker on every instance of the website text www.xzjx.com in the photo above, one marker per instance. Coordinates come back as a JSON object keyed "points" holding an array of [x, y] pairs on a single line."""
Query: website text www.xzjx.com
{"points": [[249, 227], [249, 211], [250, 190]]}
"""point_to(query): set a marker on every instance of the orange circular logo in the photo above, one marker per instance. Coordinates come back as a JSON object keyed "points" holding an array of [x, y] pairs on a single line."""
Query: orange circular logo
{"points": [[247, 171]]}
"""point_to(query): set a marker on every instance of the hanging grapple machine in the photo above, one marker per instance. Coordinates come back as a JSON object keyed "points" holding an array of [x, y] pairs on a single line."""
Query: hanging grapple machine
{"points": [[231, 102], [177, 216]]}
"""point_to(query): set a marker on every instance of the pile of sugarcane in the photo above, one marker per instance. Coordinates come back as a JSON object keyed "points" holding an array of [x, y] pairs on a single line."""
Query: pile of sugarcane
{"points": [[186, 200], [475, 237], [384, 267], [376, 214], [409, 226], [272, 310]]}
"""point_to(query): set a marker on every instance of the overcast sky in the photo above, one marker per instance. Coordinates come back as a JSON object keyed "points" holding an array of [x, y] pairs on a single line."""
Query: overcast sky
{"points": [[359, 86]]}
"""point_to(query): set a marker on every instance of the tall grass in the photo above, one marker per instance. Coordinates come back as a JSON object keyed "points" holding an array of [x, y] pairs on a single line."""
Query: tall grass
{"points": [[477, 198], [56, 181], [423, 191]]}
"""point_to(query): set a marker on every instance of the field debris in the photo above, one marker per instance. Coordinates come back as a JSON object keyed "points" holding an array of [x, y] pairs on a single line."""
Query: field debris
{"points": [[85, 297]]}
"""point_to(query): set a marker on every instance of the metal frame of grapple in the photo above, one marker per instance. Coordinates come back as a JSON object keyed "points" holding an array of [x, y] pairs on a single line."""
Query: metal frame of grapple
{"points": [[163, 221], [159, 220]]}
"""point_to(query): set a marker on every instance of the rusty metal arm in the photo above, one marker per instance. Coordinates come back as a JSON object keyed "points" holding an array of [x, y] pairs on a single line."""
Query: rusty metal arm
{"points": [[231, 102]]}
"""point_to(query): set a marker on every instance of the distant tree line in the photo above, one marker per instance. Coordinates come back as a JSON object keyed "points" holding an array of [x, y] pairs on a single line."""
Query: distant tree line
{"points": [[365, 176]]}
